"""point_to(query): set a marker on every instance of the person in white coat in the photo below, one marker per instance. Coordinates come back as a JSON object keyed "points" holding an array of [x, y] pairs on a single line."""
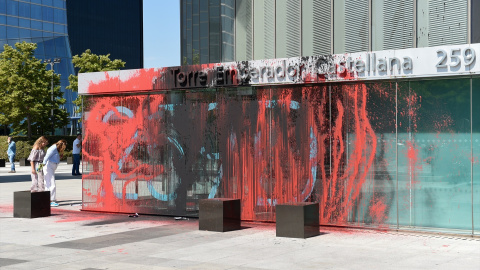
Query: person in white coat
{"points": [[50, 164]]}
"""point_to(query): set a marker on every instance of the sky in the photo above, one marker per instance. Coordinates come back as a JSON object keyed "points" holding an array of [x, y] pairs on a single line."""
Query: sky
{"points": [[161, 33]]}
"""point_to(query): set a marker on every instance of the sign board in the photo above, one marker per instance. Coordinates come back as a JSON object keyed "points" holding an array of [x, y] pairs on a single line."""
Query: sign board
{"points": [[378, 65]]}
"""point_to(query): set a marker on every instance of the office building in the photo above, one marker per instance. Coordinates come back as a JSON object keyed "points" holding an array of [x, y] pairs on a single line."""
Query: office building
{"points": [[62, 29], [112, 27], [229, 30]]}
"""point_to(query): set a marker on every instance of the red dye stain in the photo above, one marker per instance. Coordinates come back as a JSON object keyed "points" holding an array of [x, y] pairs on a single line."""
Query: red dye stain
{"points": [[344, 186], [116, 134], [273, 146], [378, 211]]}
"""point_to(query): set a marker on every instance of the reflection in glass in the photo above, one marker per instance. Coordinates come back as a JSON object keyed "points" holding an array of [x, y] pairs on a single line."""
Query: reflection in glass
{"points": [[476, 153], [434, 153], [12, 8]]}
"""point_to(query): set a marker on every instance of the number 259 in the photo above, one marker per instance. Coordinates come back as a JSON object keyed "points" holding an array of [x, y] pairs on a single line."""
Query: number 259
{"points": [[468, 55]]}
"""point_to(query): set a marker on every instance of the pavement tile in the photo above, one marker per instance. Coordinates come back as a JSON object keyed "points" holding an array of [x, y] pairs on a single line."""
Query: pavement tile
{"points": [[8, 261]]}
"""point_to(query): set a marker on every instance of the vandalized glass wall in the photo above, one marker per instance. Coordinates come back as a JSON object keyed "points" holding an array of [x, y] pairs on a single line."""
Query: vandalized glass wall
{"points": [[393, 154]]}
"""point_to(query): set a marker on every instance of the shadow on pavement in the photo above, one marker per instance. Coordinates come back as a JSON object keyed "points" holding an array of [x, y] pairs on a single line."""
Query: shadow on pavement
{"points": [[15, 178]]}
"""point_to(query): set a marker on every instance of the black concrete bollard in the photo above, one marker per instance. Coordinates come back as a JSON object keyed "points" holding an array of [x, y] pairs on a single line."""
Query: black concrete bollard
{"points": [[2, 162], [297, 220], [24, 162], [219, 215], [28, 204]]}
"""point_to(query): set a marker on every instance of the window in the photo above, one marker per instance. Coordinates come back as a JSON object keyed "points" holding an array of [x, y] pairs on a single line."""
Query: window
{"points": [[59, 16], [47, 14], [24, 23], [47, 2], [3, 32], [58, 28], [12, 8], [24, 10], [3, 7], [48, 27], [12, 21], [36, 33], [36, 12], [12, 32], [36, 25], [24, 33]]}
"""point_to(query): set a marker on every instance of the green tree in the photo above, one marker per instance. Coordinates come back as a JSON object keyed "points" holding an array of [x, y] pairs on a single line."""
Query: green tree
{"points": [[89, 62], [25, 90]]}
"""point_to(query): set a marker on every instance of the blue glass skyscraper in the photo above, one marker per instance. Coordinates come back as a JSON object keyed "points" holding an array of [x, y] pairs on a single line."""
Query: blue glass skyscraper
{"points": [[43, 22]]}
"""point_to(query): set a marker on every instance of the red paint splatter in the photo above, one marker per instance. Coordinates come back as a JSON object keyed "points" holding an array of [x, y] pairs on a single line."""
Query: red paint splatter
{"points": [[276, 149]]}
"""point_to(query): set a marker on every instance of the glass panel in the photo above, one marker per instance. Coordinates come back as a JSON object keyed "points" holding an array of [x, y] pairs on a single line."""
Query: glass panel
{"points": [[434, 154], [36, 1], [3, 7], [476, 153], [49, 45], [195, 33], [47, 14], [3, 19], [244, 149], [36, 12], [47, 2], [58, 3], [48, 27], [361, 188], [24, 23], [37, 25], [3, 32], [24, 33], [58, 28], [60, 46], [299, 158], [12, 32], [60, 16], [39, 52], [215, 31], [12, 8], [36, 33], [203, 17], [48, 34], [12, 21], [24, 10]]}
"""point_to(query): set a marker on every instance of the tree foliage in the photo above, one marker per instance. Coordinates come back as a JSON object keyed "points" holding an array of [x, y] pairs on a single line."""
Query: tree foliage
{"points": [[89, 62], [25, 90]]}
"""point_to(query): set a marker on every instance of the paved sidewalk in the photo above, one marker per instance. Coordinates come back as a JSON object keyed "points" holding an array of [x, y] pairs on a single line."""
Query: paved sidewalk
{"points": [[74, 239]]}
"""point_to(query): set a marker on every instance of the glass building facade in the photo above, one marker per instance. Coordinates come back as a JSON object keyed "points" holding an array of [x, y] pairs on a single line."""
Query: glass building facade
{"points": [[112, 27], [242, 30], [207, 31], [43, 22]]}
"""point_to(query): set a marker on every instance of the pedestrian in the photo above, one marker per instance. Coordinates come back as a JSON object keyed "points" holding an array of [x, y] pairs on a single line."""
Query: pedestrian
{"points": [[11, 152], [50, 164], [36, 158], [77, 147]]}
